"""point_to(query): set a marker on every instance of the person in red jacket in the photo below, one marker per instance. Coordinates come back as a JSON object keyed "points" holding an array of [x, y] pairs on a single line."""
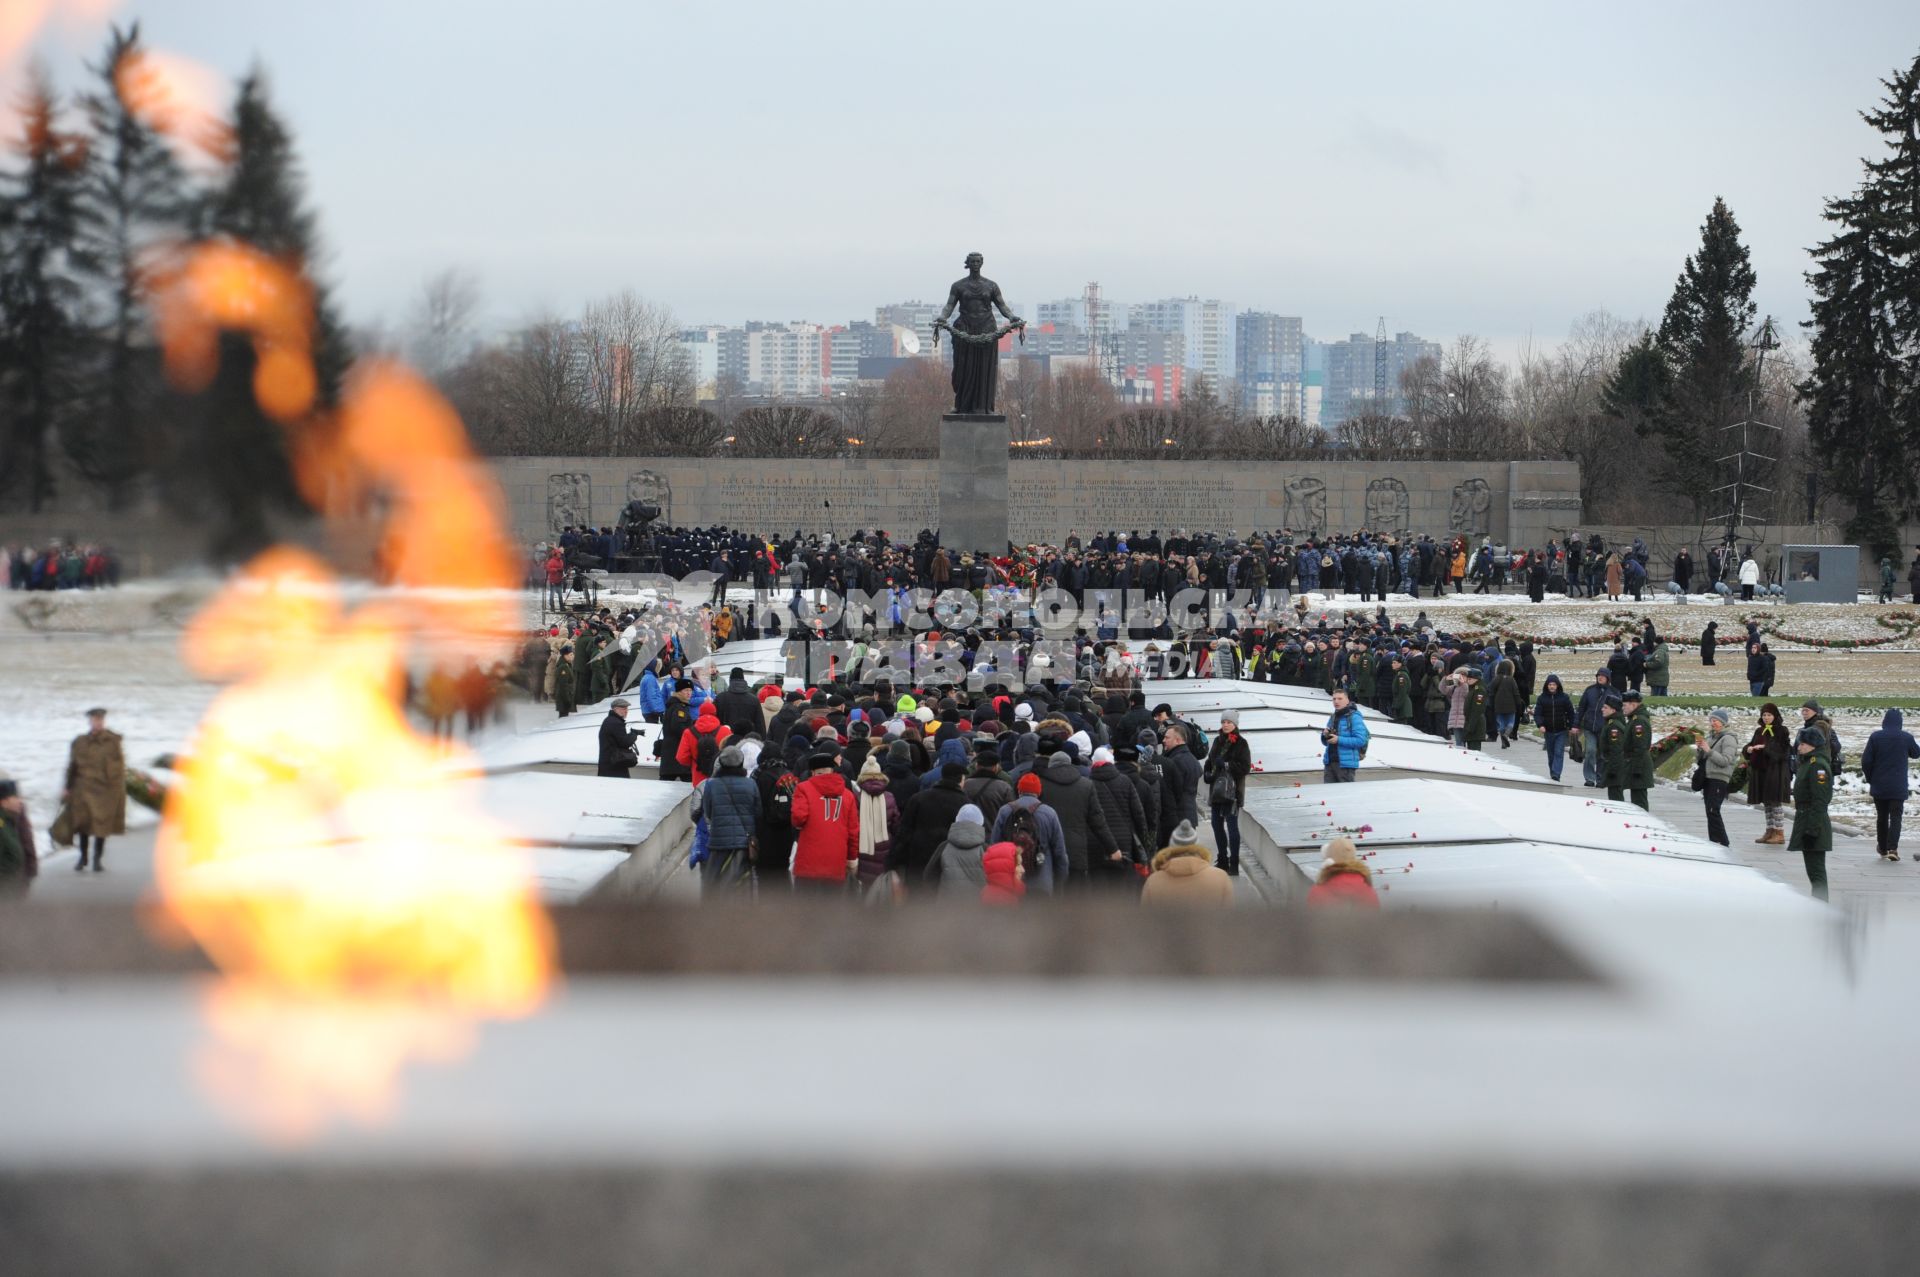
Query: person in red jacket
{"points": [[1345, 882], [1005, 875], [826, 823], [709, 731], [556, 574]]}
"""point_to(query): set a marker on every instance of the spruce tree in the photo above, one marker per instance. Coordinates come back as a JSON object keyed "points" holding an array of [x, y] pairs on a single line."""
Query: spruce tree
{"points": [[138, 197], [1702, 339], [42, 324], [234, 458], [1863, 395]]}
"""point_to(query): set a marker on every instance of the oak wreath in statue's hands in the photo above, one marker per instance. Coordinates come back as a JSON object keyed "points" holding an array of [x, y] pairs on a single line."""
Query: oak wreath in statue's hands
{"points": [[976, 337]]}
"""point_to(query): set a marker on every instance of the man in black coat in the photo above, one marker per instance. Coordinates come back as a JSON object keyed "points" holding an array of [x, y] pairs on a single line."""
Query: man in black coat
{"points": [[925, 820], [738, 707], [1179, 783], [616, 739], [1082, 819]]}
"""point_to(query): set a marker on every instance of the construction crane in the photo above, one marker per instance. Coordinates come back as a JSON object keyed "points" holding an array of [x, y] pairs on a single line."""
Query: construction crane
{"points": [[1380, 367], [1090, 301]]}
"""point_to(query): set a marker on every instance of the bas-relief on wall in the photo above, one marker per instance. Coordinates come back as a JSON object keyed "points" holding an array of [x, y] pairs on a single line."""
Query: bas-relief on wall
{"points": [[1389, 506], [1046, 500], [569, 500], [1471, 511], [1306, 507]]}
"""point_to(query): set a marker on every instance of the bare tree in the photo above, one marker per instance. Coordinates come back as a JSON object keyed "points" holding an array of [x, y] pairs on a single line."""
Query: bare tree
{"points": [[545, 391], [787, 430], [1079, 405], [1271, 438], [634, 363], [1379, 436], [1458, 404], [680, 430], [912, 399], [439, 329], [1558, 412]]}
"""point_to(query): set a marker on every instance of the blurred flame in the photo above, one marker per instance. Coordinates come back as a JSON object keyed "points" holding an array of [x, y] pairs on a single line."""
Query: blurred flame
{"points": [[21, 20], [313, 849], [177, 98]]}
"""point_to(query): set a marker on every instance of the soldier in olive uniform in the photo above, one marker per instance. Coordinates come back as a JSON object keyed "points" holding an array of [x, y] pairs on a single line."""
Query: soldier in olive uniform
{"points": [[564, 697], [1435, 700], [1639, 749], [601, 683], [1476, 723], [96, 788], [1812, 792], [1361, 663], [582, 670], [1402, 691], [1613, 748]]}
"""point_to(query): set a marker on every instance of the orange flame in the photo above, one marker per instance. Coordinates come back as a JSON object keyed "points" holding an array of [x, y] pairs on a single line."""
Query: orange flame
{"points": [[313, 848], [21, 20], [177, 98]]}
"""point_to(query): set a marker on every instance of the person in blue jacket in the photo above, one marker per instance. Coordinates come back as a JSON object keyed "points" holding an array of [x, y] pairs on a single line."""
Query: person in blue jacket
{"points": [[1884, 765], [1346, 737], [654, 690]]}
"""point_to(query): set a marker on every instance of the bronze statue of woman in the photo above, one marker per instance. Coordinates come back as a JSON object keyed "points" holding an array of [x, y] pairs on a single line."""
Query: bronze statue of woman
{"points": [[976, 338]]}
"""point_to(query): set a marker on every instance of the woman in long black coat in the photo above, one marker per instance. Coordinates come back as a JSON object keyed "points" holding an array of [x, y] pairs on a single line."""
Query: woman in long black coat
{"points": [[1707, 641], [1769, 778]]}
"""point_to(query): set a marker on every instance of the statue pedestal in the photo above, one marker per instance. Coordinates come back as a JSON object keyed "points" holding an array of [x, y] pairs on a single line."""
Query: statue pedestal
{"points": [[973, 482]]}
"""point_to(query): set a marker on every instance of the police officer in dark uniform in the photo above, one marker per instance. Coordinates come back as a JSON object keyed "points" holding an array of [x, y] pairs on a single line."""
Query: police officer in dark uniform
{"points": [[1812, 793], [1613, 747], [1639, 749]]}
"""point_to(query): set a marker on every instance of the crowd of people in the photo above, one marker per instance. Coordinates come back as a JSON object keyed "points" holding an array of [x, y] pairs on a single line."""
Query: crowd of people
{"points": [[876, 731], [58, 566], [994, 793], [1258, 571]]}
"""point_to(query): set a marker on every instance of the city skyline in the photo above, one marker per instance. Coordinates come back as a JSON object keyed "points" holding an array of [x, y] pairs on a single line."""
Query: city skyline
{"points": [[1499, 171]]}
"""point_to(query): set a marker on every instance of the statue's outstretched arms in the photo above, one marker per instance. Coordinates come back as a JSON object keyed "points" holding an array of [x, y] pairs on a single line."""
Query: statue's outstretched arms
{"points": [[1001, 304]]}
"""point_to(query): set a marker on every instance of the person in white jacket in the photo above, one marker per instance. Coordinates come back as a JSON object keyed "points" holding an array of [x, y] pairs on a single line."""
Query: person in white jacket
{"points": [[1749, 577]]}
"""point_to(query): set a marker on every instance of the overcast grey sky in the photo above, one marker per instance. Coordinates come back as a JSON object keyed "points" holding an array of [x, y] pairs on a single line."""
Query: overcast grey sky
{"points": [[1489, 167]]}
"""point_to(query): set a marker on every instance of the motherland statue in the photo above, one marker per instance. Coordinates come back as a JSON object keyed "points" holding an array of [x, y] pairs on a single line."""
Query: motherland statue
{"points": [[976, 341]]}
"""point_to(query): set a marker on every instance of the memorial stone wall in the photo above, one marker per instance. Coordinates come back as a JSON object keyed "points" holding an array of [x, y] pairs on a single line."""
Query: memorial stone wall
{"points": [[1520, 502]]}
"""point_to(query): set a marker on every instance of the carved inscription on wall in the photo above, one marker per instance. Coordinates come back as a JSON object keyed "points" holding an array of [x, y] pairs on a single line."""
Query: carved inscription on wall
{"points": [[780, 502], [1546, 503], [569, 501], [1389, 508], [1051, 505]]}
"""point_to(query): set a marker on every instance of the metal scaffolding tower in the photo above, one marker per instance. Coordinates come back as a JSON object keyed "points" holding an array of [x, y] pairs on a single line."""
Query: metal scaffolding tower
{"points": [[1747, 467], [1380, 367]]}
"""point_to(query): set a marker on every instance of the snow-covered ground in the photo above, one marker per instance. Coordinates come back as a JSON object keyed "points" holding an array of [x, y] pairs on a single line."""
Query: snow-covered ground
{"points": [[49, 683]]}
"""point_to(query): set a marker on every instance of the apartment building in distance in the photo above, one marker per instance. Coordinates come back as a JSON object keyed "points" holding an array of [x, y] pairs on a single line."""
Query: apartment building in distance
{"points": [[1351, 377]]}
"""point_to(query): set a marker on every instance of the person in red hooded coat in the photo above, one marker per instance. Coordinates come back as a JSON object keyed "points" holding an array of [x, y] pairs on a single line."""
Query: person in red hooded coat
{"points": [[1345, 882], [1005, 876], [826, 822], [707, 731]]}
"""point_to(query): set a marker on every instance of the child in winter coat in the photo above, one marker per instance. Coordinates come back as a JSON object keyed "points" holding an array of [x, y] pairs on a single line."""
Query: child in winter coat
{"points": [[1344, 881]]}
